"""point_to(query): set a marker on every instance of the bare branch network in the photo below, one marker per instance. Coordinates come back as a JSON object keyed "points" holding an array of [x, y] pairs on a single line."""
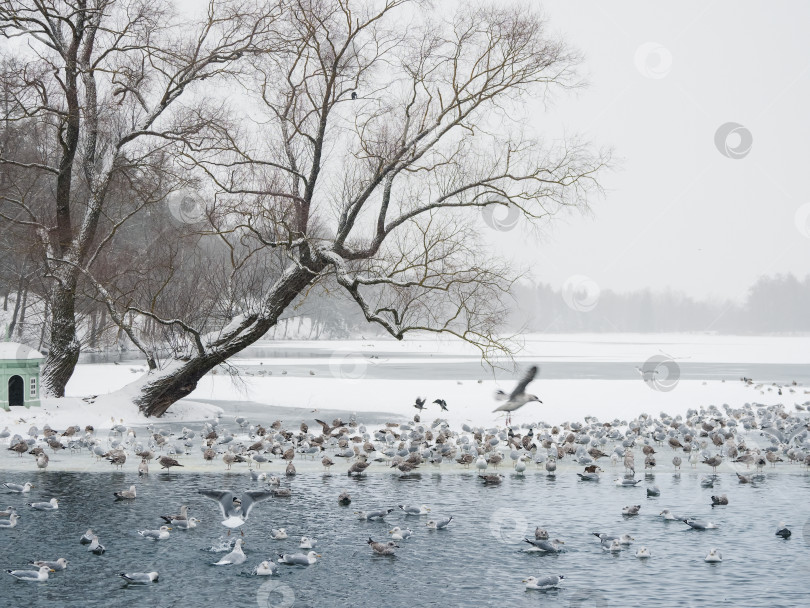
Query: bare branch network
{"points": [[345, 144]]}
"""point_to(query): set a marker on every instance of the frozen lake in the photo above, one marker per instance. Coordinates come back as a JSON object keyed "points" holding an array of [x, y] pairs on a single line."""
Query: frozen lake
{"points": [[580, 375], [568, 356]]}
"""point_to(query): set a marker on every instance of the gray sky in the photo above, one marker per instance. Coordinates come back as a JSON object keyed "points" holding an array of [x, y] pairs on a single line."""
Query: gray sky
{"points": [[678, 212], [664, 77]]}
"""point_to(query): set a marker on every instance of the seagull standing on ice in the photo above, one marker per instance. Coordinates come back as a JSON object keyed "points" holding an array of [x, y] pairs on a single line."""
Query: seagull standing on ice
{"points": [[519, 396]]}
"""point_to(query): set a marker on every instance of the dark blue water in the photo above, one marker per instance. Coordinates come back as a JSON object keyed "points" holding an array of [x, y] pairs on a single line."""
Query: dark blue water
{"points": [[478, 561]]}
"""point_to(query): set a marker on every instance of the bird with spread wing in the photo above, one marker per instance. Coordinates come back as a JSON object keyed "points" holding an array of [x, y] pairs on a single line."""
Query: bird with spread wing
{"points": [[234, 510], [519, 397]]}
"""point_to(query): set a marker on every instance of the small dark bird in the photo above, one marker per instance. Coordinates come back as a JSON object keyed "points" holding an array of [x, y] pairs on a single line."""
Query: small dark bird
{"points": [[354, 94], [167, 463], [420, 403], [719, 500], [21, 448], [344, 499], [358, 467], [465, 460], [782, 531], [327, 429], [442, 404], [382, 548]]}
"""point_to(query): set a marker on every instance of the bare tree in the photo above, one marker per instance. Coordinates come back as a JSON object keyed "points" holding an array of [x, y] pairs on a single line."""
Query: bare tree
{"points": [[383, 131], [103, 84]]}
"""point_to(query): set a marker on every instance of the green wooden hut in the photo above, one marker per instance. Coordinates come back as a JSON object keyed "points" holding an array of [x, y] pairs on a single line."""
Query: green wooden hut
{"points": [[19, 375]]}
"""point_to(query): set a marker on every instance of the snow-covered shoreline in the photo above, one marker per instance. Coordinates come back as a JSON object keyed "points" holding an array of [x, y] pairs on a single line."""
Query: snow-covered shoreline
{"points": [[96, 399]]}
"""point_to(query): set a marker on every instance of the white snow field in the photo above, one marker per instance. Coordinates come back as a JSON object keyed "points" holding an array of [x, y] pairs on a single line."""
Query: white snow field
{"points": [[344, 382]]}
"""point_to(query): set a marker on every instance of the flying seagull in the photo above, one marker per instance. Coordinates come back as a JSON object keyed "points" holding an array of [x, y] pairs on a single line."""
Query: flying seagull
{"points": [[442, 404], [519, 396], [233, 510]]}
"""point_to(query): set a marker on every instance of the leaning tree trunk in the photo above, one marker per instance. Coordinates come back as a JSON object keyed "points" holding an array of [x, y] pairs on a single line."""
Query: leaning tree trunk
{"points": [[161, 388], [64, 348]]}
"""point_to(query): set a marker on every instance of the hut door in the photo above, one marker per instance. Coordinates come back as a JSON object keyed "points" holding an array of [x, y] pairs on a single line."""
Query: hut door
{"points": [[15, 391]]}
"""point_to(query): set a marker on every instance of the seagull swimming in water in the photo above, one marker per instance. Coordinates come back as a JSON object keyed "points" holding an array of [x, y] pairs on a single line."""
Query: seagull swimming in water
{"points": [[519, 397], [266, 568], [235, 557], [544, 545], [31, 575], [544, 582], [714, 557], [19, 489], [139, 578], [298, 559]]}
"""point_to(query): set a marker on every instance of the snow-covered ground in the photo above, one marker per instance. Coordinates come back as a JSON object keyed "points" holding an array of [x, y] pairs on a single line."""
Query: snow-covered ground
{"points": [[343, 386], [366, 378]]}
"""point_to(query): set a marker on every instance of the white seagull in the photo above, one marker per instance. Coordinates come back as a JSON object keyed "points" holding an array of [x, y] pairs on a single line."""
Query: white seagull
{"points": [[139, 578], [31, 575], [519, 397], [235, 557], [235, 511]]}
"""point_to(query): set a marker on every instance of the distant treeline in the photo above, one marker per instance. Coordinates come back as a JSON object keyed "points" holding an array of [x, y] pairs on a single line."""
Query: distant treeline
{"points": [[774, 304], [777, 304]]}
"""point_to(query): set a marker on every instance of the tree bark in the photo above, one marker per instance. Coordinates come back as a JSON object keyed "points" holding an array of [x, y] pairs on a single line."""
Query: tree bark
{"points": [[21, 321], [162, 388], [17, 299], [45, 318], [63, 353], [93, 329]]}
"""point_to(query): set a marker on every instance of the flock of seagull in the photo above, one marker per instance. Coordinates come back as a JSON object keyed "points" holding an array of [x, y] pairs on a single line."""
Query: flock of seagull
{"points": [[750, 436]]}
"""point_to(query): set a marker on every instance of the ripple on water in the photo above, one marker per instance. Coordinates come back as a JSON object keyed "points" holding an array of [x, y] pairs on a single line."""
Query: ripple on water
{"points": [[479, 560]]}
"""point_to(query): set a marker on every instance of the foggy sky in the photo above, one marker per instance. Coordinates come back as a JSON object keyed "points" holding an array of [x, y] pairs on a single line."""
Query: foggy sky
{"points": [[677, 212]]}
